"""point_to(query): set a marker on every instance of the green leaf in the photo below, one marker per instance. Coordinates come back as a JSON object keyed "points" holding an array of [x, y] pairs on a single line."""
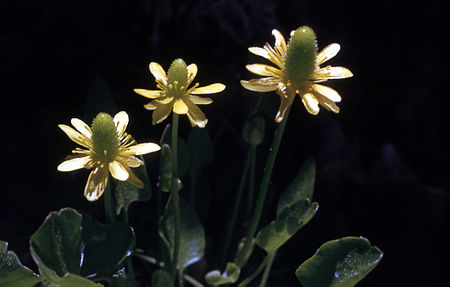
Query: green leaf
{"points": [[183, 152], [230, 275], [12, 272], [165, 168], [192, 235], [301, 187], [72, 280], [55, 246], [126, 193], [339, 263], [290, 219], [105, 247], [201, 151], [162, 278]]}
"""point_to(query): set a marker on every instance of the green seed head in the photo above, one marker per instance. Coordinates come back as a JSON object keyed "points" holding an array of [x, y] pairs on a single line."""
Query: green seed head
{"points": [[178, 72], [104, 138], [301, 55]]}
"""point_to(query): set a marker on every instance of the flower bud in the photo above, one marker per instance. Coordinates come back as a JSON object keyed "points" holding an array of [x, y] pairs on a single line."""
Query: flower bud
{"points": [[253, 131]]}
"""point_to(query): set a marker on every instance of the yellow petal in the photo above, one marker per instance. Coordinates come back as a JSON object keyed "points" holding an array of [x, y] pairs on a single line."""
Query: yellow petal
{"points": [[121, 121], [151, 94], [74, 135], [150, 106], [280, 43], [264, 70], [133, 179], [143, 148], [327, 92], [118, 170], [267, 54], [158, 72], [311, 103], [200, 100], [327, 53], [196, 116], [130, 160], [82, 127], [96, 183], [164, 100], [327, 103], [161, 112], [209, 89], [286, 99], [330, 72], [192, 72], [258, 86], [74, 163], [180, 107]]}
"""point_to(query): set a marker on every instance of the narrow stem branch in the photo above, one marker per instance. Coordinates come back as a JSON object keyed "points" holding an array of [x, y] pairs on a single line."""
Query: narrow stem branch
{"points": [[267, 270], [256, 272], [240, 261], [109, 203], [251, 180], [130, 269]]}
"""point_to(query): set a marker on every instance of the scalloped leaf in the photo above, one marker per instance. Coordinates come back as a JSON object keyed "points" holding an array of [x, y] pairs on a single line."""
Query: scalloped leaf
{"points": [[290, 220], [12, 272], [229, 276], [302, 186], [339, 263], [55, 246], [105, 247]]}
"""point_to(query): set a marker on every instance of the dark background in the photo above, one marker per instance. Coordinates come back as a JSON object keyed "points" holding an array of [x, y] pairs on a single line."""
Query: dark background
{"points": [[382, 163]]}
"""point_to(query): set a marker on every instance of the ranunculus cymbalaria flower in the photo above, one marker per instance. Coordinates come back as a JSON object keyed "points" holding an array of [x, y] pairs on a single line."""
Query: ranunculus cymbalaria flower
{"points": [[175, 95], [297, 72], [107, 149]]}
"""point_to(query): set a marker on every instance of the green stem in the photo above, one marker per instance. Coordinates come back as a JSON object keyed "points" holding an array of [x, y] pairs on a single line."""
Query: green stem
{"points": [[244, 254], [109, 203], [130, 269], [237, 202], [256, 272], [174, 195], [251, 187], [267, 270]]}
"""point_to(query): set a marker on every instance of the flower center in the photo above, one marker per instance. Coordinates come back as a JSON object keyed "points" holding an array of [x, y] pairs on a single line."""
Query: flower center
{"points": [[177, 78], [104, 138], [301, 55]]}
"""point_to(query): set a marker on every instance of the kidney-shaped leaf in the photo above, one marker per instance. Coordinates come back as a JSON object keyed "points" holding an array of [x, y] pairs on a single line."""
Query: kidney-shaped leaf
{"points": [[55, 246], [290, 219], [192, 235], [339, 263], [12, 272], [105, 247]]}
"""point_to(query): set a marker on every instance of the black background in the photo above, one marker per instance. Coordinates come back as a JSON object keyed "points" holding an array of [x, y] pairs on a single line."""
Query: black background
{"points": [[382, 163]]}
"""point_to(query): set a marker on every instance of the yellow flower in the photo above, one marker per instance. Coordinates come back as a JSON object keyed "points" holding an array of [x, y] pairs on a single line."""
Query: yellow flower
{"points": [[175, 94], [297, 71], [108, 149]]}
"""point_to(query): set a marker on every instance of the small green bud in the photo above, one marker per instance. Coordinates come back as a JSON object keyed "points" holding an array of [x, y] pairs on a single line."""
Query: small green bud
{"points": [[178, 72], [253, 131], [301, 55], [104, 138]]}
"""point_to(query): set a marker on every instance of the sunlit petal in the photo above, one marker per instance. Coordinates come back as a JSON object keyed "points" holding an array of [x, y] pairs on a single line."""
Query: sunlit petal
{"points": [[264, 70], [121, 121], [196, 116], [74, 135], [327, 53], [209, 89], [143, 148], [118, 170], [82, 127], [161, 112], [327, 92], [200, 100], [192, 72], [260, 52], [286, 98], [151, 94], [164, 100], [258, 86], [311, 103], [74, 163], [330, 72], [280, 43], [180, 107], [150, 106], [96, 183], [130, 160], [327, 103], [158, 72], [133, 179]]}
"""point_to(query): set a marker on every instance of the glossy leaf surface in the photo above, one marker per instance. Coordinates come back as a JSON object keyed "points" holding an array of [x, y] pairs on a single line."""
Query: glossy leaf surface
{"points": [[192, 235], [55, 246], [290, 219], [12, 272], [105, 247], [71, 280], [339, 263], [230, 275], [301, 187]]}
